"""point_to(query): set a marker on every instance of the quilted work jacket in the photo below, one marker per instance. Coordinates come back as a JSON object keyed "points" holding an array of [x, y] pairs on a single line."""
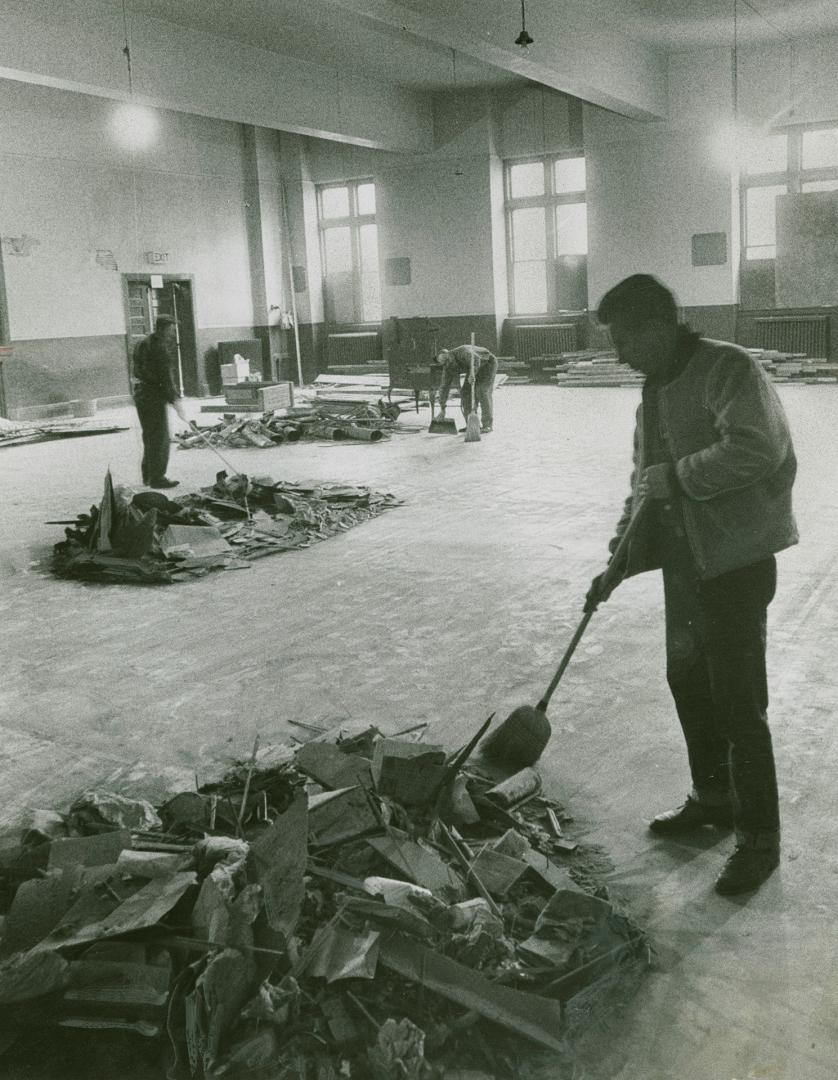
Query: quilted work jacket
{"points": [[727, 434]]}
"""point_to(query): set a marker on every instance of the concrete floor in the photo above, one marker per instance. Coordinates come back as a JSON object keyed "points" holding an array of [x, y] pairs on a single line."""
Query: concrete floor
{"points": [[451, 607]]}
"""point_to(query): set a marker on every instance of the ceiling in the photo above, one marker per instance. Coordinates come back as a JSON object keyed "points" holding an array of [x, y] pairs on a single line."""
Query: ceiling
{"points": [[319, 31], [678, 24], [367, 39]]}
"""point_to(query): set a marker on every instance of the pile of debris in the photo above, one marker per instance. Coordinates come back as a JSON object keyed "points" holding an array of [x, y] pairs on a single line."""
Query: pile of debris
{"points": [[146, 537], [594, 368], [361, 421], [17, 433], [362, 907], [795, 367]]}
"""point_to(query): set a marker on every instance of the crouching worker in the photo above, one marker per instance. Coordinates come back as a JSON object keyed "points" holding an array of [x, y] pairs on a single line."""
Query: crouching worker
{"points": [[479, 367]]}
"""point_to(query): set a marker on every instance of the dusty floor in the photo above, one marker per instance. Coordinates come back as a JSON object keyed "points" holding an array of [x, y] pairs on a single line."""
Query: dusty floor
{"points": [[456, 605]]}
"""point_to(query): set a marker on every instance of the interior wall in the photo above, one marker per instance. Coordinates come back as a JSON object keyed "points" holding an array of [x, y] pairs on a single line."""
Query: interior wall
{"points": [[650, 189], [90, 211], [434, 210], [652, 186]]}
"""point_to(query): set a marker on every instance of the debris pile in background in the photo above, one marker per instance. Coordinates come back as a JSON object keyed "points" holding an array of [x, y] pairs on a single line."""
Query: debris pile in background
{"points": [[362, 421], [146, 537], [16, 433], [363, 907], [796, 367]]}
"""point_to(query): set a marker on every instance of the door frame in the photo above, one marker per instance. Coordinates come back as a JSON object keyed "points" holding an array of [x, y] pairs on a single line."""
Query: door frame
{"points": [[145, 277]]}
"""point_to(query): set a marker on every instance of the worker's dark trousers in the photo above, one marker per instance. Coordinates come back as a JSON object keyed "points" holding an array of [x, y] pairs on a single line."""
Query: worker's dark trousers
{"points": [[715, 650], [484, 388], [154, 421]]}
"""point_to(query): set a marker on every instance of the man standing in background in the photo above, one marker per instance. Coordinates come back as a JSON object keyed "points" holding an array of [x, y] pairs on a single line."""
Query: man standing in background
{"points": [[154, 389]]}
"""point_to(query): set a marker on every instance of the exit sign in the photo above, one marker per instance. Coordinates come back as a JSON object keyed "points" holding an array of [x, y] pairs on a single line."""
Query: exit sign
{"points": [[156, 258]]}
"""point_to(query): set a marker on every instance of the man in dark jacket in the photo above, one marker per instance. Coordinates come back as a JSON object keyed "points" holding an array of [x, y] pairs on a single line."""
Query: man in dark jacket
{"points": [[713, 471], [479, 367], [155, 389]]}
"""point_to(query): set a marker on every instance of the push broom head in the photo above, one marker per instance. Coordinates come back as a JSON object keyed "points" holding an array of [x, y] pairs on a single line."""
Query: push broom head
{"points": [[520, 740], [473, 427]]}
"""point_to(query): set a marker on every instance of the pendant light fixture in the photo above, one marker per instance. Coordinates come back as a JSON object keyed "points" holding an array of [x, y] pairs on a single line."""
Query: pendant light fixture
{"points": [[523, 39], [458, 168]]}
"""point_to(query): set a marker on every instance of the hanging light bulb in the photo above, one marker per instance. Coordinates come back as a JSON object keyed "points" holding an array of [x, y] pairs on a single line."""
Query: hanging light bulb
{"points": [[523, 39], [458, 169], [135, 126]]}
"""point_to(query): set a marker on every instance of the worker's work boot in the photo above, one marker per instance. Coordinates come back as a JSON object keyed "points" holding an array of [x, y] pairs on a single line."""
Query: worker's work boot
{"points": [[692, 816], [162, 483], [755, 858]]}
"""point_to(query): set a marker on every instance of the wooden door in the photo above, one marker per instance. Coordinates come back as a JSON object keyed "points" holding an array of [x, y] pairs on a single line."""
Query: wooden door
{"points": [[175, 299], [138, 294]]}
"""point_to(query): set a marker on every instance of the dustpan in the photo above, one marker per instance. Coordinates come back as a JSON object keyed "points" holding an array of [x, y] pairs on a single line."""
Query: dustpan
{"points": [[443, 426]]}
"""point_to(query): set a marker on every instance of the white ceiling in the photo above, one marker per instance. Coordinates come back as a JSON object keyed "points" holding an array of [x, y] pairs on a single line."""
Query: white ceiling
{"points": [[677, 24], [366, 37], [318, 31]]}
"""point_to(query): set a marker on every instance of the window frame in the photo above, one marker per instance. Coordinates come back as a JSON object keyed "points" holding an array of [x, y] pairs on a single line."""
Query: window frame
{"points": [[549, 201], [354, 220], [793, 178]]}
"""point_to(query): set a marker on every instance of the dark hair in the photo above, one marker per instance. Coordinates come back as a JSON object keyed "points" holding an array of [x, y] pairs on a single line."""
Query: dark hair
{"points": [[162, 321], [638, 299]]}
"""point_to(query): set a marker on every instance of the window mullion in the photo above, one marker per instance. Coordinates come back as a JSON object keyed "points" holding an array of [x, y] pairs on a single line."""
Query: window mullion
{"points": [[552, 248]]}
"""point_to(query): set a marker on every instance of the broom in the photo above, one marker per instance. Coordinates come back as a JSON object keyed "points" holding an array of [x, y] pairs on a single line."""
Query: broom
{"points": [[521, 738], [472, 420]]}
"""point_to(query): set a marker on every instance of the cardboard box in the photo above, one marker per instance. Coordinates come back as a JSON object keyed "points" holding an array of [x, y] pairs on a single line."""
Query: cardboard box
{"points": [[265, 396]]}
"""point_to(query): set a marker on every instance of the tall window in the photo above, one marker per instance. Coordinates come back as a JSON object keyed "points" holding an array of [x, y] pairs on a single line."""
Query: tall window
{"points": [[547, 233], [797, 160], [349, 239]]}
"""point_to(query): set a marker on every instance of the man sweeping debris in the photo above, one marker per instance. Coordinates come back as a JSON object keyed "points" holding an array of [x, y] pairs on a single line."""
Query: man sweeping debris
{"points": [[479, 367], [713, 453], [154, 389]]}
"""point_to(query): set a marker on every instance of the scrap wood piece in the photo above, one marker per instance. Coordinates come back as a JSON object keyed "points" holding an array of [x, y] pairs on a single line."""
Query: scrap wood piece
{"points": [[117, 984], [221, 991], [341, 1025], [331, 767], [497, 871], [192, 540], [100, 850], [342, 818], [336, 953], [557, 877], [391, 915], [106, 520], [37, 908], [140, 910], [277, 861], [420, 863], [582, 936], [31, 975], [534, 1017], [410, 772]]}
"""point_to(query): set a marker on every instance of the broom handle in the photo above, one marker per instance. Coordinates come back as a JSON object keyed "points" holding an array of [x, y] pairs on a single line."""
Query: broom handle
{"points": [[586, 618], [214, 449]]}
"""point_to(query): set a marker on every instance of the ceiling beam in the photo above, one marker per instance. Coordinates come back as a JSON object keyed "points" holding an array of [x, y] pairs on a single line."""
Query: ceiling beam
{"points": [[77, 45], [574, 52]]}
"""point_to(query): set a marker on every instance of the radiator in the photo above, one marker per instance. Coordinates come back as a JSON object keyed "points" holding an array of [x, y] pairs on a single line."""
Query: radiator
{"points": [[355, 350], [544, 340], [807, 334]]}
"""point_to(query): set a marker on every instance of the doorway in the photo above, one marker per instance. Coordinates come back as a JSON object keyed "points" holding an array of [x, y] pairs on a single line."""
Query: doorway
{"points": [[145, 298]]}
